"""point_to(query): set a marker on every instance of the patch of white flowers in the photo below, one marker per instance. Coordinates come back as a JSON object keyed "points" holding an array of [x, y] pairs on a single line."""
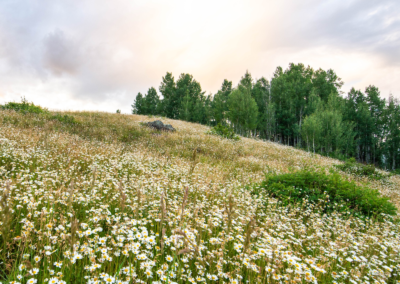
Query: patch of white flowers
{"points": [[96, 213]]}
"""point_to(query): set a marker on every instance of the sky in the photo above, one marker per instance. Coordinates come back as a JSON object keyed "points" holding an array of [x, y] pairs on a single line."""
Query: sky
{"points": [[98, 54]]}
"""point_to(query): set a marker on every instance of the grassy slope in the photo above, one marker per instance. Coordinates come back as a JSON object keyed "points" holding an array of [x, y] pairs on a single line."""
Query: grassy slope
{"points": [[116, 162]]}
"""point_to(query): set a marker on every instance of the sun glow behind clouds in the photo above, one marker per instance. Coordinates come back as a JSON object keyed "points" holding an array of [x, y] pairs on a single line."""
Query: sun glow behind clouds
{"points": [[98, 54]]}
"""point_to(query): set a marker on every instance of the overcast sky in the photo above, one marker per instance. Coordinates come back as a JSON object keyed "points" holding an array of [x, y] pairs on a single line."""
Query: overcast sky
{"points": [[98, 54]]}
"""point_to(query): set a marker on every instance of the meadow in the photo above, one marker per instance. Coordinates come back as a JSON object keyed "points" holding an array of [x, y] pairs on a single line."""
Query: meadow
{"points": [[99, 198]]}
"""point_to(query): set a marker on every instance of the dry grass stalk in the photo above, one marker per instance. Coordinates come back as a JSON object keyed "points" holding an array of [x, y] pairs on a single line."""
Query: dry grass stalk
{"points": [[6, 215], [194, 162], [230, 211], [122, 197], [194, 245], [94, 176], [71, 195], [163, 211], [183, 251], [162, 240], [57, 194], [139, 196], [74, 229], [185, 198], [250, 229]]}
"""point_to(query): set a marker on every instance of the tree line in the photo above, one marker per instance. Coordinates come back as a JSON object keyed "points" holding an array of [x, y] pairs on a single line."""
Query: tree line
{"points": [[299, 107]]}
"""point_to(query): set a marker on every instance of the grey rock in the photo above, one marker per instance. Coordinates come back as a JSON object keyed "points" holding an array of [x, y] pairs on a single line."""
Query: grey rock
{"points": [[169, 127], [157, 124]]}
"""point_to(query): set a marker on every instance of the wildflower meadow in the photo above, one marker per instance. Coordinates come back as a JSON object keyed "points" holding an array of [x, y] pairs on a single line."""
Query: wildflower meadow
{"points": [[104, 199]]}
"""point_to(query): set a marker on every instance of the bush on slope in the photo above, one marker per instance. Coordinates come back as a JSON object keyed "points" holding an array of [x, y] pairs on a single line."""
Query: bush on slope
{"points": [[331, 190]]}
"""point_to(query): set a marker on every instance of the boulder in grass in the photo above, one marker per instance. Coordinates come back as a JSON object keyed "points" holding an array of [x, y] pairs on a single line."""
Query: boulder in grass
{"points": [[161, 126], [156, 124], [169, 127]]}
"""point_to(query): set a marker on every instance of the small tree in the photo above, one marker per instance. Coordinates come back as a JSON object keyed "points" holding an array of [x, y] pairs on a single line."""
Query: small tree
{"points": [[138, 107], [151, 101]]}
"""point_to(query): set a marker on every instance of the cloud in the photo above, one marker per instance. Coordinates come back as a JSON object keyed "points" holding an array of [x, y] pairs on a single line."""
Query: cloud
{"points": [[100, 54], [60, 54]]}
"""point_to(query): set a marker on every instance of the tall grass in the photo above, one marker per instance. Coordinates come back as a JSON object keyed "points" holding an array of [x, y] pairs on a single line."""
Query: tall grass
{"points": [[105, 200]]}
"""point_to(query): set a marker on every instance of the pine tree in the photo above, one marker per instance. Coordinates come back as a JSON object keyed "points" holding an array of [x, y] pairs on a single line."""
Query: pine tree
{"points": [[186, 85], [151, 102], [169, 104], [220, 102], [138, 106]]}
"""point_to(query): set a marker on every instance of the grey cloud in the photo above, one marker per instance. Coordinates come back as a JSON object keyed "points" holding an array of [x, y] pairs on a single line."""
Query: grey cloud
{"points": [[56, 39], [358, 25], [60, 54]]}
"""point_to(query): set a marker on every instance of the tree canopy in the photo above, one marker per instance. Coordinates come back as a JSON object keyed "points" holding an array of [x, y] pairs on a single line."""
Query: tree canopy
{"points": [[298, 106]]}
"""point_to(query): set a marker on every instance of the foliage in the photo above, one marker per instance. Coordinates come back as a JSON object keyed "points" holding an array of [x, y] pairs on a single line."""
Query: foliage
{"points": [[148, 104], [170, 104], [67, 119], [30, 108], [243, 111], [220, 102], [352, 167], [24, 106], [333, 191], [224, 131], [298, 106], [325, 129], [138, 106], [290, 91]]}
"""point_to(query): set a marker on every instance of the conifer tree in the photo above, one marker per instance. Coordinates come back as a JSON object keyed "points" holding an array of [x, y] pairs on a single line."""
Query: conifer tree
{"points": [[151, 102], [138, 106], [170, 106], [220, 102]]}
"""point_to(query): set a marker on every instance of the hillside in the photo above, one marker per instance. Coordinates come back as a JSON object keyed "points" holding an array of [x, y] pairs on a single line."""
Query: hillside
{"points": [[92, 197]]}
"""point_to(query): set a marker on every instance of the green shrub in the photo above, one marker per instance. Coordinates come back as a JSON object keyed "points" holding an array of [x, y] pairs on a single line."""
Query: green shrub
{"points": [[224, 131], [25, 107], [331, 191], [67, 119], [352, 167], [29, 108]]}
